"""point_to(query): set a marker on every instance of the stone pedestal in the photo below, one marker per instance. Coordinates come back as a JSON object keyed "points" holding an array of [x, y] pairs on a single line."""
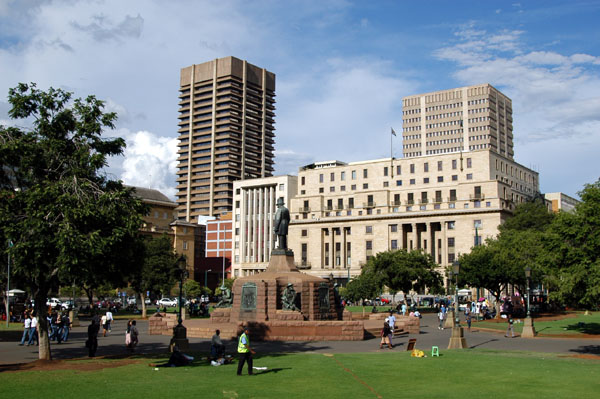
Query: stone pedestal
{"points": [[528, 328], [179, 338], [450, 320], [74, 317], [457, 339]]}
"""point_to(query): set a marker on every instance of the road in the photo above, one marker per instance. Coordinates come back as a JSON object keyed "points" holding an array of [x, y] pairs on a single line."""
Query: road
{"points": [[114, 344]]}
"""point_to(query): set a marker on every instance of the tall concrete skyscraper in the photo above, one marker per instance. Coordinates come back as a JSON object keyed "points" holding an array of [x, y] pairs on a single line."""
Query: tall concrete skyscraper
{"points": [[226, 133], [462, 119]]}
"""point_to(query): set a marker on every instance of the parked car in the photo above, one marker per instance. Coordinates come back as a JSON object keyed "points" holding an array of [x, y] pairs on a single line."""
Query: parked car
{"points": [[67, 305], [53, 302], [167, 302]]}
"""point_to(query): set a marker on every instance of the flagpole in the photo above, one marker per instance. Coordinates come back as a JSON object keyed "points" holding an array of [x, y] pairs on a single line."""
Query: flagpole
{"points": [[392, 134]]}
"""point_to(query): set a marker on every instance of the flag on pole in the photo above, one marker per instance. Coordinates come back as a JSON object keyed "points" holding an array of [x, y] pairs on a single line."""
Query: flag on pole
{"points": [[393, 132]]}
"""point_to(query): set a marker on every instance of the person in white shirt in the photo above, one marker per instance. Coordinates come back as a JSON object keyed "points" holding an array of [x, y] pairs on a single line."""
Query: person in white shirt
{"points": [[109, 319], [33, 331], [26, 328]]}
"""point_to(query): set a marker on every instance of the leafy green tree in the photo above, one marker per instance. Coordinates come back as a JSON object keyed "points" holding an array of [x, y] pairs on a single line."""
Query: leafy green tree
{"points": [[405, 271], [192, 289], [574, 241], [158, 268], [67, 220], [531, 215], [363, 286]]}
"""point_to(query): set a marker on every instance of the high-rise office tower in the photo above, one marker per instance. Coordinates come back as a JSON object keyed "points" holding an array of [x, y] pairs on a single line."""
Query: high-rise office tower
{"points": [[462, 119], [226, 133]]}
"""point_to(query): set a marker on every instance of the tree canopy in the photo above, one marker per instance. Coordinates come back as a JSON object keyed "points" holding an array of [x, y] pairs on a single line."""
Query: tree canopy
{"points": [[68, 221], [573, 270]]}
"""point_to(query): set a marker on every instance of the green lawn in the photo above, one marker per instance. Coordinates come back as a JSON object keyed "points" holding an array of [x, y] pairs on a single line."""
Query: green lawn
{"points": [[580, 324], [455, 374]]}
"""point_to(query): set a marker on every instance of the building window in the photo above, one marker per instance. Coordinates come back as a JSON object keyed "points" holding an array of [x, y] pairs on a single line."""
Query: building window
{"points": [[394, 244], [302, 192], [454, 177], [332, 177], [488, 204], [393, 228], [351, 202], [281, 187], [451, 225], [398, 182], [469, 163], [440, 179], [385, 170], [353, 175], [185, 245], [469, 176], [450, 241], [321, 190], [332, 189], [302, 180], [365, 173], [426, 167], [477, 204], [321, 178], [365, 186], [343, 176], [451, 258], [454, 164], [342, 188], [369, 245], [412, 181], [398, 170], [439, 166], [412, 168], [353, 187], [369, 229], [386, 184], [426, 180], [237, 204], [304, 233]]}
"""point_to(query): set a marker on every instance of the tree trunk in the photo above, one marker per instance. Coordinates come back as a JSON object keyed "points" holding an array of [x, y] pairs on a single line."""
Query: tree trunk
{"points": [[143, 299], [41, 312]]}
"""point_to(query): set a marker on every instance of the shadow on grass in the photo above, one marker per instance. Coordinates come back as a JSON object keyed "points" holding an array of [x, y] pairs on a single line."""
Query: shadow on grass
{"points": [[585, 328]]}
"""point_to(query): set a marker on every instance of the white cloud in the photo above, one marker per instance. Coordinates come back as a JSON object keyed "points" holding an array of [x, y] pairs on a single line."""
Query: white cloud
{"points": [[556, 97], [150, 161]]}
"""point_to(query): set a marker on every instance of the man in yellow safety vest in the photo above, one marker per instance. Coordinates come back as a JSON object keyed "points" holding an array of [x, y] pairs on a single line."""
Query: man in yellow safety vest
{"points": [[245, 352]]}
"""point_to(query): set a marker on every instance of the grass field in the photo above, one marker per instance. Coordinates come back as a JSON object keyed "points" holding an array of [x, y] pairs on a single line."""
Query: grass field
{"points": [[455, 374], [580, 324]]}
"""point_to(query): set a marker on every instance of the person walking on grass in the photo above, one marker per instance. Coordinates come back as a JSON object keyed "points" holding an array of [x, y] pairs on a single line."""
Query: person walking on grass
{"points": [[245, 352]]}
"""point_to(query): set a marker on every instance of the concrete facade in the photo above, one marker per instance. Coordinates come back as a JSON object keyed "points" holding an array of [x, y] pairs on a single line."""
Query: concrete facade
{"points": [[462, 119], [226, 133], [253, 214], [443, 204], [561, 202]]}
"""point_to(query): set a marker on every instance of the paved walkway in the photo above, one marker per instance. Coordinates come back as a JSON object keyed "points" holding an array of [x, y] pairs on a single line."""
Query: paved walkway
{"points": [[114, 344]]}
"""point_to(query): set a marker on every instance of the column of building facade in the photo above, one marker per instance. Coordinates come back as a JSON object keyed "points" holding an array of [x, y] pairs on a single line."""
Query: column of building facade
{"points": [[444, 244], [260, 216], [269, 209], [415, 237]]}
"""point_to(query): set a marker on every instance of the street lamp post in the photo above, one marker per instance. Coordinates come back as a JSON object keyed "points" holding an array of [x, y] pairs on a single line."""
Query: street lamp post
{"points": [[457, 339], [179, 331], [528, 327], [10, 245], [206, 276]]}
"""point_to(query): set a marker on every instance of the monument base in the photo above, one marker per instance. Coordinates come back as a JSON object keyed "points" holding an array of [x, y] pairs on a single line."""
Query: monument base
{"points": [[457, 339], [528, 328], [179, 338]]}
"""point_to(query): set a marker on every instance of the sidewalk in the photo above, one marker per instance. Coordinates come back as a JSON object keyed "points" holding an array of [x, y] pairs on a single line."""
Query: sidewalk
{"points": [[114, 344]]}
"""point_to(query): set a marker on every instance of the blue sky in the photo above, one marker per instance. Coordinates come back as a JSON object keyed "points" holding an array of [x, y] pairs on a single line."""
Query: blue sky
{"points": [[342, 69]]}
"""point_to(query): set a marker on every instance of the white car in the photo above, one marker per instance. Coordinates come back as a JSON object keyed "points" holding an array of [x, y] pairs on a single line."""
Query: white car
{"points": [[167, 302], [53, 302]]}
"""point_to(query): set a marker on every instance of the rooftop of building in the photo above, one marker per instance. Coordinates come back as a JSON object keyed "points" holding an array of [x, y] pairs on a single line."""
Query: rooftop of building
{"points": [[150, 195]]}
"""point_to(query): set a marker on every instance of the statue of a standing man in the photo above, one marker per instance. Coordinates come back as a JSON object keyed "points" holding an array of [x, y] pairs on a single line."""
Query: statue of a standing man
{"points": [[282, 220]]}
